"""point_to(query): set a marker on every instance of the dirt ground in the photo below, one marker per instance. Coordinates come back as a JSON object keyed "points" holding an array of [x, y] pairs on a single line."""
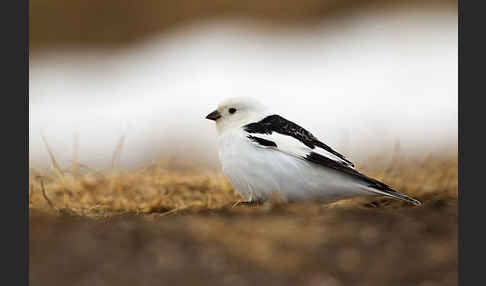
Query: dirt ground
{"points": [[153, 226]]}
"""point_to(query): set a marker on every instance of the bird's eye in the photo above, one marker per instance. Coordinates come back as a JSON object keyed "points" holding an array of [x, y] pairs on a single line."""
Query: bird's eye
{"points": [[232, 110]]}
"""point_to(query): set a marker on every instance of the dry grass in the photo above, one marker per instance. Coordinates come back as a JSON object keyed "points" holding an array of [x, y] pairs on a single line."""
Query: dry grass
{"points": [[153, 188], [154, 226]]}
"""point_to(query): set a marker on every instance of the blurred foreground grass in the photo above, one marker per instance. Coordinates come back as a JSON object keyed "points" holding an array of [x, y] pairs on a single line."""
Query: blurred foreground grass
{"points": [[155, 189], [154, 226]]}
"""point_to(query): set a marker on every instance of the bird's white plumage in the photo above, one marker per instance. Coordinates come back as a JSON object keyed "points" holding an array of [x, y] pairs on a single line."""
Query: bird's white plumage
{"points": [[257, 172], [261, 161]]}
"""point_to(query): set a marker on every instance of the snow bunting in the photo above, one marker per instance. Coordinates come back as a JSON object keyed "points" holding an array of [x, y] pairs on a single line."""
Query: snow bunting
{"points": [[262, 152]]}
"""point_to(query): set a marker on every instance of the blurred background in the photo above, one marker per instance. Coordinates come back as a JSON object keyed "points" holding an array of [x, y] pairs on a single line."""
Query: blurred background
{"points": [[364, 76], [127, 83]]}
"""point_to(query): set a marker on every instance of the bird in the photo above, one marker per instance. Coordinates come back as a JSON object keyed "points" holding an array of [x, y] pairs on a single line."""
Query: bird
{"points": [[262, 153]]}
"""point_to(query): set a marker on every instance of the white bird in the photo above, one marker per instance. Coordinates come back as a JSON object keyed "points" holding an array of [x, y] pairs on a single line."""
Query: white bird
{"points": [[262, 153]]}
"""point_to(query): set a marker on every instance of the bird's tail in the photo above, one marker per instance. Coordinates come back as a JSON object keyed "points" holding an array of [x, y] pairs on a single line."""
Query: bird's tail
{"points": [[396, 195]]}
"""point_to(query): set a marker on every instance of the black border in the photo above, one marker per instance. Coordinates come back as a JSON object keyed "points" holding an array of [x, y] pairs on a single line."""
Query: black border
{"points": [[14, 211], [472, 195]]}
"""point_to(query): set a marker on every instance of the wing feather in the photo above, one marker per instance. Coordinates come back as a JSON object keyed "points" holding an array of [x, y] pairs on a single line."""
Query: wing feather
{"points": [[278, 133], [291, 138]]}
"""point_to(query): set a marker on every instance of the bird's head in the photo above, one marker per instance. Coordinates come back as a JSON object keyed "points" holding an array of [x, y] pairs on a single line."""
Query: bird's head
{"points": [[236, 112]]}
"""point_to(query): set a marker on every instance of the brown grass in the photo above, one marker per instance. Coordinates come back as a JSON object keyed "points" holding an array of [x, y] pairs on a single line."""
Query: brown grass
{"points": [[153, 188], [154, 226]]}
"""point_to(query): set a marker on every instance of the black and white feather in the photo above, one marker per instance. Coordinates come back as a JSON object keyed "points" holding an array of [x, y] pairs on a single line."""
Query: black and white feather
{"points": [[263, 153], [292, 139]]}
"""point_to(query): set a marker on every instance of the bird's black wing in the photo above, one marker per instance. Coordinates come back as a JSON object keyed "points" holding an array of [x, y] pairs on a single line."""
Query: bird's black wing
{"points": [[263, 134], [278, 124]]}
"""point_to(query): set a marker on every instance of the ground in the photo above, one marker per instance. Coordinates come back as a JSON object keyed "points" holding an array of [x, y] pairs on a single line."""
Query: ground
{"points": [[153, 226]]}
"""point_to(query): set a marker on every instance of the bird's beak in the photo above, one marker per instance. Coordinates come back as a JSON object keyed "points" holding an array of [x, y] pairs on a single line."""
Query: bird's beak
{"points": [[215, 115]]}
